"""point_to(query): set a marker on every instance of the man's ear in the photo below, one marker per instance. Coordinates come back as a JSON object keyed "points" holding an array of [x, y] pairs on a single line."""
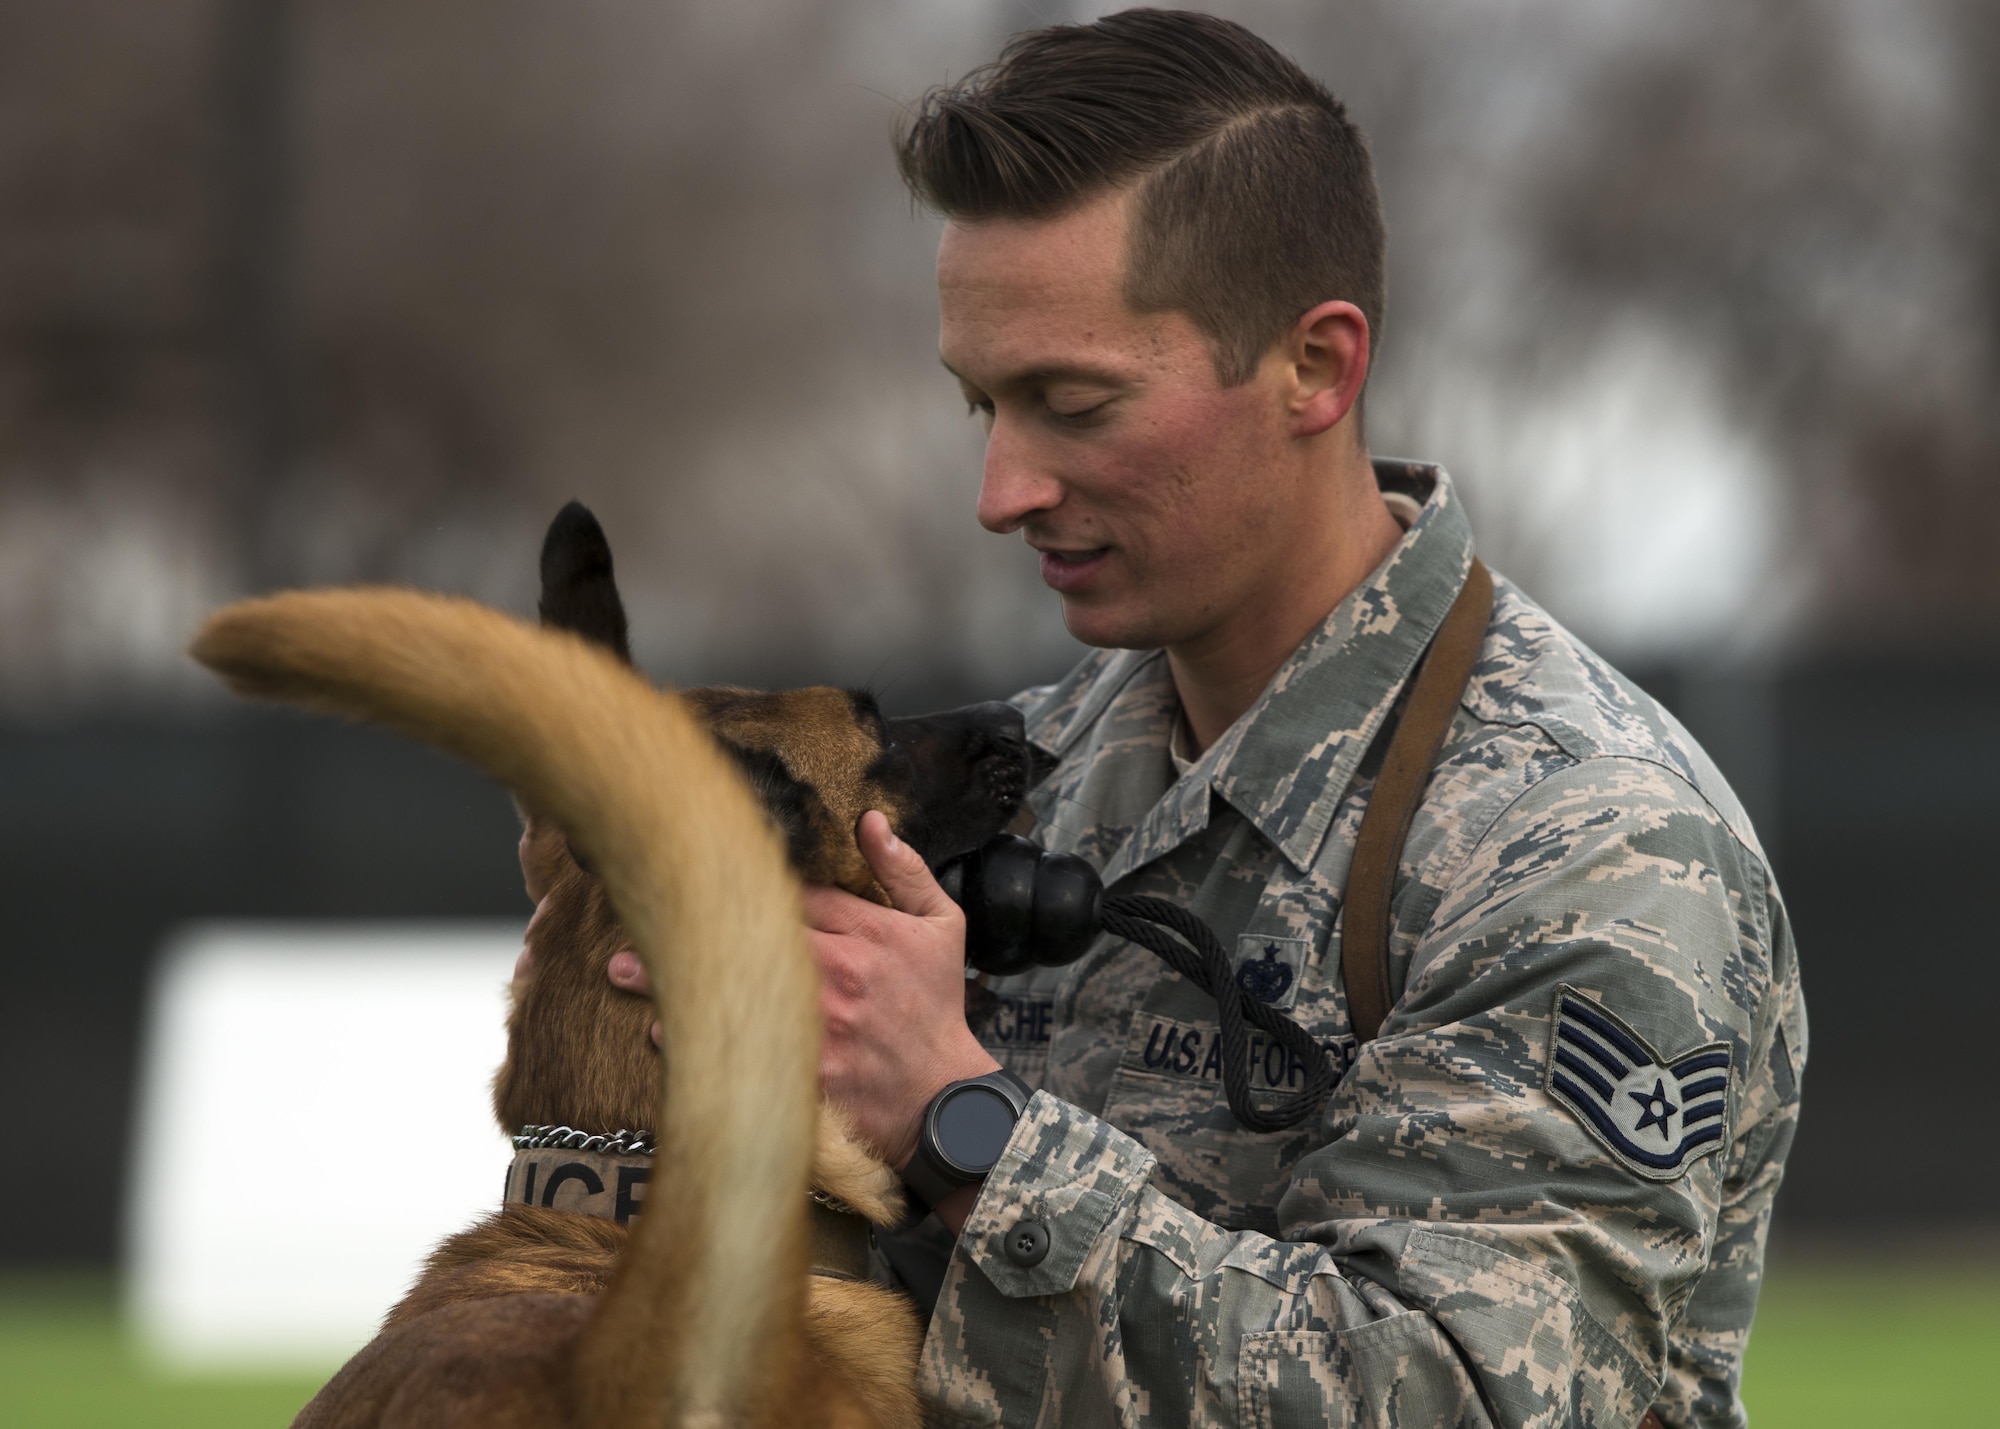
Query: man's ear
{"points": [[578, 591], [1328, 349]]}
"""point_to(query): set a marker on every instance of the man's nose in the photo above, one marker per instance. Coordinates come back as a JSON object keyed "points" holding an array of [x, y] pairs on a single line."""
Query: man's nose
{"points": [[1013, 486]]}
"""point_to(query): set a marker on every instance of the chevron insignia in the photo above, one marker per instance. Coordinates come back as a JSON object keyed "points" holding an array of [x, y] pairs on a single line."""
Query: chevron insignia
{"points": [[1656, 1115]]}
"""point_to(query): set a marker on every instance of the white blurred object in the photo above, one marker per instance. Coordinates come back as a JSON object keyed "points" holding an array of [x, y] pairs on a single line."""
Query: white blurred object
{"points": [[1623, 494], [313, 1119]]}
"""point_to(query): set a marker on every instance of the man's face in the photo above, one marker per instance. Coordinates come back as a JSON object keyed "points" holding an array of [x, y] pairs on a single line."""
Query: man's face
{"points": [[1157, 496]]}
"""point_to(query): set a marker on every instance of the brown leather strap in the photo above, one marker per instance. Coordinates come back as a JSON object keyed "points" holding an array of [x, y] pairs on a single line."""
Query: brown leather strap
{"points": [[1435, 691]]}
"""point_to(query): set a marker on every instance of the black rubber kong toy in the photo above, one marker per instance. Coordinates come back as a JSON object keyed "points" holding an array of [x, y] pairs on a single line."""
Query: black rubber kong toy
{"points": [[1023, 905]]}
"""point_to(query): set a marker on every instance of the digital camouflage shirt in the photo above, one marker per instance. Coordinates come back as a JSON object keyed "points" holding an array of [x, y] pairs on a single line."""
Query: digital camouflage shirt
{"points": [[1539, 1197]]}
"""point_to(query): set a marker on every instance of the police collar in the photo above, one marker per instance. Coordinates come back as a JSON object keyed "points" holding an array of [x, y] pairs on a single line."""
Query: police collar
{"points": [[595, 1174]]}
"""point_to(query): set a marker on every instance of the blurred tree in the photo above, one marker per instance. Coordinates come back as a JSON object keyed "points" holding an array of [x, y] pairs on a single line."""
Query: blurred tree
{"points": [[1701, 302], [1810, 189]]}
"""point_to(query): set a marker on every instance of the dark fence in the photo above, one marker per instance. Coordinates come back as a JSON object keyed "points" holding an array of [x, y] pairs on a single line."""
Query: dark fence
{"points": [[1877, 785]]}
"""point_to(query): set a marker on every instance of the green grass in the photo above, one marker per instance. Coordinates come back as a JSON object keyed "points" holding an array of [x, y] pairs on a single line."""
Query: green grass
{"points": [[65, 1363], [1838, 1348], [1832, 1349]]}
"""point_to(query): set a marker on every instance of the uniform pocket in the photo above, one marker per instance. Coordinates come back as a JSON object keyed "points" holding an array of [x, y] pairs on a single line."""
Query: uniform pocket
{"points": [[1290, 1377], [1168, 1095], [1394, 1373]]}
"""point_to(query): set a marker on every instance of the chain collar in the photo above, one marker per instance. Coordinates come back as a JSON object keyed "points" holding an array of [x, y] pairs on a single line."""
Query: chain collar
{"points": [[567, 1138], [832, 1203]]}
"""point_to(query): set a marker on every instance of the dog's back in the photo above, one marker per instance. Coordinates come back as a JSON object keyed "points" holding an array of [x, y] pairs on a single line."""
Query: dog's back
{"points": [[701, 1312]]}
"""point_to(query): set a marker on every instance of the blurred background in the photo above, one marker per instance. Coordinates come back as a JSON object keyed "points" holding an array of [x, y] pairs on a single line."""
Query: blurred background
{"points": [[1699, 303]]}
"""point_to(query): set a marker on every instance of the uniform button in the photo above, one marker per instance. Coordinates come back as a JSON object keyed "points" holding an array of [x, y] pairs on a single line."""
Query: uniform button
{"points": [[1027, 1243]]}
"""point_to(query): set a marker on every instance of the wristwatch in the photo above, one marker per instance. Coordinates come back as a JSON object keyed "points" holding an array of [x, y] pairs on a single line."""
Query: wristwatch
{"points": [[965, 1128]]}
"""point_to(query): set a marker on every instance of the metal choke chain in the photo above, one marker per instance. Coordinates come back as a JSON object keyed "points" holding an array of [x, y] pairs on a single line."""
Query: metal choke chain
{"points": [[567, 1138], [1189, 946]]}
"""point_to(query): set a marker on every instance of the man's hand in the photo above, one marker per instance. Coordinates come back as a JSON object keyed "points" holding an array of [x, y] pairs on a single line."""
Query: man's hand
{"points": [[628, 974], [892, 989]]}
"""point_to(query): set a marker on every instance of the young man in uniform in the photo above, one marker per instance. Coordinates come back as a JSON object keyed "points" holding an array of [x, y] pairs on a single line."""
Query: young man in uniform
{"points": [[1539, 1194]]}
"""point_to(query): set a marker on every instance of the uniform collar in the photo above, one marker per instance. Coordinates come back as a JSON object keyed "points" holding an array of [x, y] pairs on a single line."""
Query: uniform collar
{"points": [[1284, 765]]}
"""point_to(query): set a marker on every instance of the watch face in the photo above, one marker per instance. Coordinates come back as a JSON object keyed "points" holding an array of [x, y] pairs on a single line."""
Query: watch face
{"points": [[973, 1126]]}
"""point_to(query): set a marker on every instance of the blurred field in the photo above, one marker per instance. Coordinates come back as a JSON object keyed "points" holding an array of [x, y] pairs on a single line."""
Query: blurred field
{"points": [[1832, 1349], [65, 1364]]}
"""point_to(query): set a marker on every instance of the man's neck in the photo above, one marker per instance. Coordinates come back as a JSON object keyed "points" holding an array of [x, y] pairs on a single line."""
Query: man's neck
{"points": [[1220, 674]]}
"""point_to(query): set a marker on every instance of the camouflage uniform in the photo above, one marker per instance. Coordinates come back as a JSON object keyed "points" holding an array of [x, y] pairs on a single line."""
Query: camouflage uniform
{"points": [[1454, 1241]]}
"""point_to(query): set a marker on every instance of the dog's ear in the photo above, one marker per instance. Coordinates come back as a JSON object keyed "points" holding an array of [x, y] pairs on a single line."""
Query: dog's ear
{"points": [[578, 592]]}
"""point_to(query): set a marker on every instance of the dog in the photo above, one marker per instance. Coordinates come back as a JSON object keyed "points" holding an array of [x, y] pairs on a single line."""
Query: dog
{"points": [[680, 826]]}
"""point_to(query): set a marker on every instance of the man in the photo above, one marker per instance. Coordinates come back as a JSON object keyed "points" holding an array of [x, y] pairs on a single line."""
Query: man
{"points": [[1540, 1195]]}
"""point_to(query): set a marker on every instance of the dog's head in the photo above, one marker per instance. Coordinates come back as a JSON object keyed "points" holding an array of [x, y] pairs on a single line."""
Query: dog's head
{"points": [[818, 759]]}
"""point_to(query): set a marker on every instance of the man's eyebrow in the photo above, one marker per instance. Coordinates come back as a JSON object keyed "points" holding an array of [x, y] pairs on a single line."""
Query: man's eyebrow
{"points": [[1057, 372]]}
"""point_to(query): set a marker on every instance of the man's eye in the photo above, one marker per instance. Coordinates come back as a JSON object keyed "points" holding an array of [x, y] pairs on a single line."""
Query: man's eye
{"points": [[1079, 416]]}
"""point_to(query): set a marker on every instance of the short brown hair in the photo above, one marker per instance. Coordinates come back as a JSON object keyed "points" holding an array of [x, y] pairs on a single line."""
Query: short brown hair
{"points": [[1256, 196]]}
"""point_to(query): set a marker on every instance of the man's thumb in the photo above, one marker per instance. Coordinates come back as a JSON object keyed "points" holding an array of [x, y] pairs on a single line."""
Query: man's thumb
{"points": [[897, 867]]}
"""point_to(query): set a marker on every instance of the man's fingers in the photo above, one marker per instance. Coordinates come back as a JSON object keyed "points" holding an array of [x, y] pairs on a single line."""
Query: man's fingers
{"points": [[836, 911], [628, 974], [898, 869]]}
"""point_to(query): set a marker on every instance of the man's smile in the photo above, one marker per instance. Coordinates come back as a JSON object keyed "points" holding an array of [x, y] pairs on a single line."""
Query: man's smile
{"points": [[1069, 570]]}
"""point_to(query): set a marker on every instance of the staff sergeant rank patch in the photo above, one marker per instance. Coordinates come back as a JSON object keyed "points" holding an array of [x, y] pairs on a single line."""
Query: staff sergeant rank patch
{"points": [[1656, 1116]]}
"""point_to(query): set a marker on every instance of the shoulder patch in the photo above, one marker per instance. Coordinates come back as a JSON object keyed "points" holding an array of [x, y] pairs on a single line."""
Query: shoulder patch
{"points": [[1656, 1115]]}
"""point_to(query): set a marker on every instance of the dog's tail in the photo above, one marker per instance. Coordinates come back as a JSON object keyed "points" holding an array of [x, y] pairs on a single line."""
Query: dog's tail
{"points": [[704, 1320]]}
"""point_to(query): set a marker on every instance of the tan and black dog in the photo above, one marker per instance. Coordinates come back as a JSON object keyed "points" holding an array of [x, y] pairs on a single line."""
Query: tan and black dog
{"points": [[678, 826]]}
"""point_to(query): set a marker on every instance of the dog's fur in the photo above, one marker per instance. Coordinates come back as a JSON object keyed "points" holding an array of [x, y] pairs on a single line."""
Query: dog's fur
{"points": [[644, 834]]}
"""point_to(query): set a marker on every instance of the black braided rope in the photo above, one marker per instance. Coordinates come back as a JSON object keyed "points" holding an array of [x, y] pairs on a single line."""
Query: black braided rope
{"points": [[1190, 947]]}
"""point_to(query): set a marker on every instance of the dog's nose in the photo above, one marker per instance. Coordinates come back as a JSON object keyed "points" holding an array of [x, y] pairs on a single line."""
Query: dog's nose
{"points": [[969, 734], [995, 720]]}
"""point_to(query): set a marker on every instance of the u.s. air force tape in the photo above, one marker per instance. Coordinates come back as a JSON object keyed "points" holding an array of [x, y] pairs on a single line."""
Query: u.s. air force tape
{"points": [[1657, 1115], [589, 1182]]}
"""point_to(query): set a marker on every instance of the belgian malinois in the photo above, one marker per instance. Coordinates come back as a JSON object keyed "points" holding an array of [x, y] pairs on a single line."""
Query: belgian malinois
{"points": [[680, 826]]}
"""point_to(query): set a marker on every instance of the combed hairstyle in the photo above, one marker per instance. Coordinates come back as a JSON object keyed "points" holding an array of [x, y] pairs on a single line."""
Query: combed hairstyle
{"points": [[1256, 198]]}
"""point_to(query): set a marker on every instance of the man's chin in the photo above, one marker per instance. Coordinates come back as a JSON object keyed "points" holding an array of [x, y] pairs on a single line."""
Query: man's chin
{"points": [[1107, 627]]}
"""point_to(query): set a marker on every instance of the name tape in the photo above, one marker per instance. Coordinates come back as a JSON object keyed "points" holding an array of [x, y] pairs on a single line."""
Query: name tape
{"points": [[1020, 1021], [1194, 1051]]}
